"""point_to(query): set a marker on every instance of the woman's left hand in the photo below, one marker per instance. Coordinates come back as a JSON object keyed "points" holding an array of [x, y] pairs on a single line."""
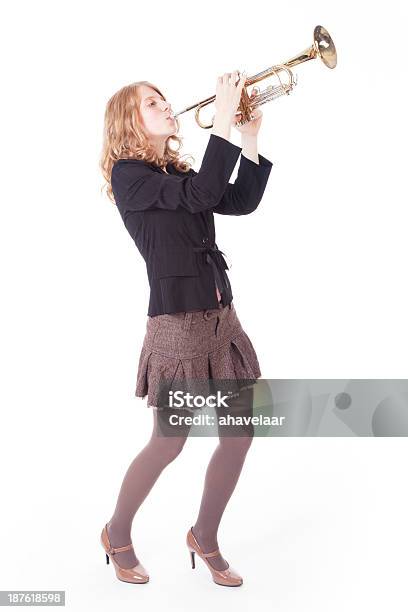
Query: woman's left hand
{"points": [[251, 128]]}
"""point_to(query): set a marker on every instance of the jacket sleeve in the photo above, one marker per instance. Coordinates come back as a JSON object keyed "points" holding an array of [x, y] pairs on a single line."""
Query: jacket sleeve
{"points": [[243, 196], [138, 187]]}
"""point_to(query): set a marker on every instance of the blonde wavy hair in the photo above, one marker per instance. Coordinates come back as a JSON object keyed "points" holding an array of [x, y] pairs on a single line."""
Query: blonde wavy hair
{"points": [[123, 137]]}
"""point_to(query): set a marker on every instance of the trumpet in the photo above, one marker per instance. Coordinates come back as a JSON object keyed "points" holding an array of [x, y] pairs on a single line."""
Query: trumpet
{"points": [[322, 47]]}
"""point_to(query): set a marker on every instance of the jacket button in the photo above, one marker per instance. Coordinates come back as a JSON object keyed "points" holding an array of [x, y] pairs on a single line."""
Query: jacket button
{"points": [[205, 240]]}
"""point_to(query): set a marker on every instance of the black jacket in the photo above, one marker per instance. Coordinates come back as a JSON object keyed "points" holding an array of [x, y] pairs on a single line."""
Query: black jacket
{"points": [[170, 218]]}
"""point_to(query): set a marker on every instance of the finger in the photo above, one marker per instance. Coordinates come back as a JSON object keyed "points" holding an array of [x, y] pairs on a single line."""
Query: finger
{"points": [[242, 80], [234, 77]]}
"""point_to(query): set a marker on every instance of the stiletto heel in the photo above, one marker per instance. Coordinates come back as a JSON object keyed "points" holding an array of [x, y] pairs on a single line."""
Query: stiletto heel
{"points": [[136, 575], [226, 577]]}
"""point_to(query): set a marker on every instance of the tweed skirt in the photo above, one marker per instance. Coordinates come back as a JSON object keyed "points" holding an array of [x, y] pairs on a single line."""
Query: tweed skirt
{"points": [[199, 345]]}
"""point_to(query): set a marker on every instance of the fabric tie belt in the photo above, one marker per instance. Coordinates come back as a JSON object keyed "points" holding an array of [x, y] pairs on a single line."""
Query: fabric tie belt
{"points": [[215, 258]]}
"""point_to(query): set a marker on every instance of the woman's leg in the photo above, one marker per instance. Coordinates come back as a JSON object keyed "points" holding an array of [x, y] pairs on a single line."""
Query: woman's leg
{"points": [[138, 481], [222, 475]]}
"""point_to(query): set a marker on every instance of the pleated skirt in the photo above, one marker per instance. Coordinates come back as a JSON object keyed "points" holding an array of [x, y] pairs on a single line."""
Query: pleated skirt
{"points": [[200, 345]]}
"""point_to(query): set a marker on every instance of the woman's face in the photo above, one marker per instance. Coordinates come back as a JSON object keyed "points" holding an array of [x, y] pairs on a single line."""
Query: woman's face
{"points": [[154, 111]]}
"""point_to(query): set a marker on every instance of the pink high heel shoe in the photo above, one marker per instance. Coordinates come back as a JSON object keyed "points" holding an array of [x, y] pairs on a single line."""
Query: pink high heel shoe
{"points": [[226, 577], [137, 574]]}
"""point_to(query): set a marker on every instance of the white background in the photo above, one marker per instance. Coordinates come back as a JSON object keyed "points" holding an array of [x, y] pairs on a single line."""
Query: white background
{"points": [[319, 280]]}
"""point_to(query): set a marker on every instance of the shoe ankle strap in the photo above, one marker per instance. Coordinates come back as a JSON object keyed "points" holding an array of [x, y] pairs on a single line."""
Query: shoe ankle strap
{"points": [[113, 550], [212, 554]]}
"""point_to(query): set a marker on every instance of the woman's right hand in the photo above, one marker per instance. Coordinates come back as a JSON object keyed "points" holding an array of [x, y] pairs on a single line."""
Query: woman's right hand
{"points": [[228, 94]]}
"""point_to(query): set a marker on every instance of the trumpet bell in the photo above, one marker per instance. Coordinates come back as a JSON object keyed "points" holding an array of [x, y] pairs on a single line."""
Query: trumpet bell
{"points": [[325, 46]]}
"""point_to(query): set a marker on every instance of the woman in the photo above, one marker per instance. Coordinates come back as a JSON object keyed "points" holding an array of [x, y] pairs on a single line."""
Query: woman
{"points": [[192, 330]]}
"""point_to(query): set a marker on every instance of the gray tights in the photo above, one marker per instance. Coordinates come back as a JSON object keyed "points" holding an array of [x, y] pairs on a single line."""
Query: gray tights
{"points": [[221, 477]]}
